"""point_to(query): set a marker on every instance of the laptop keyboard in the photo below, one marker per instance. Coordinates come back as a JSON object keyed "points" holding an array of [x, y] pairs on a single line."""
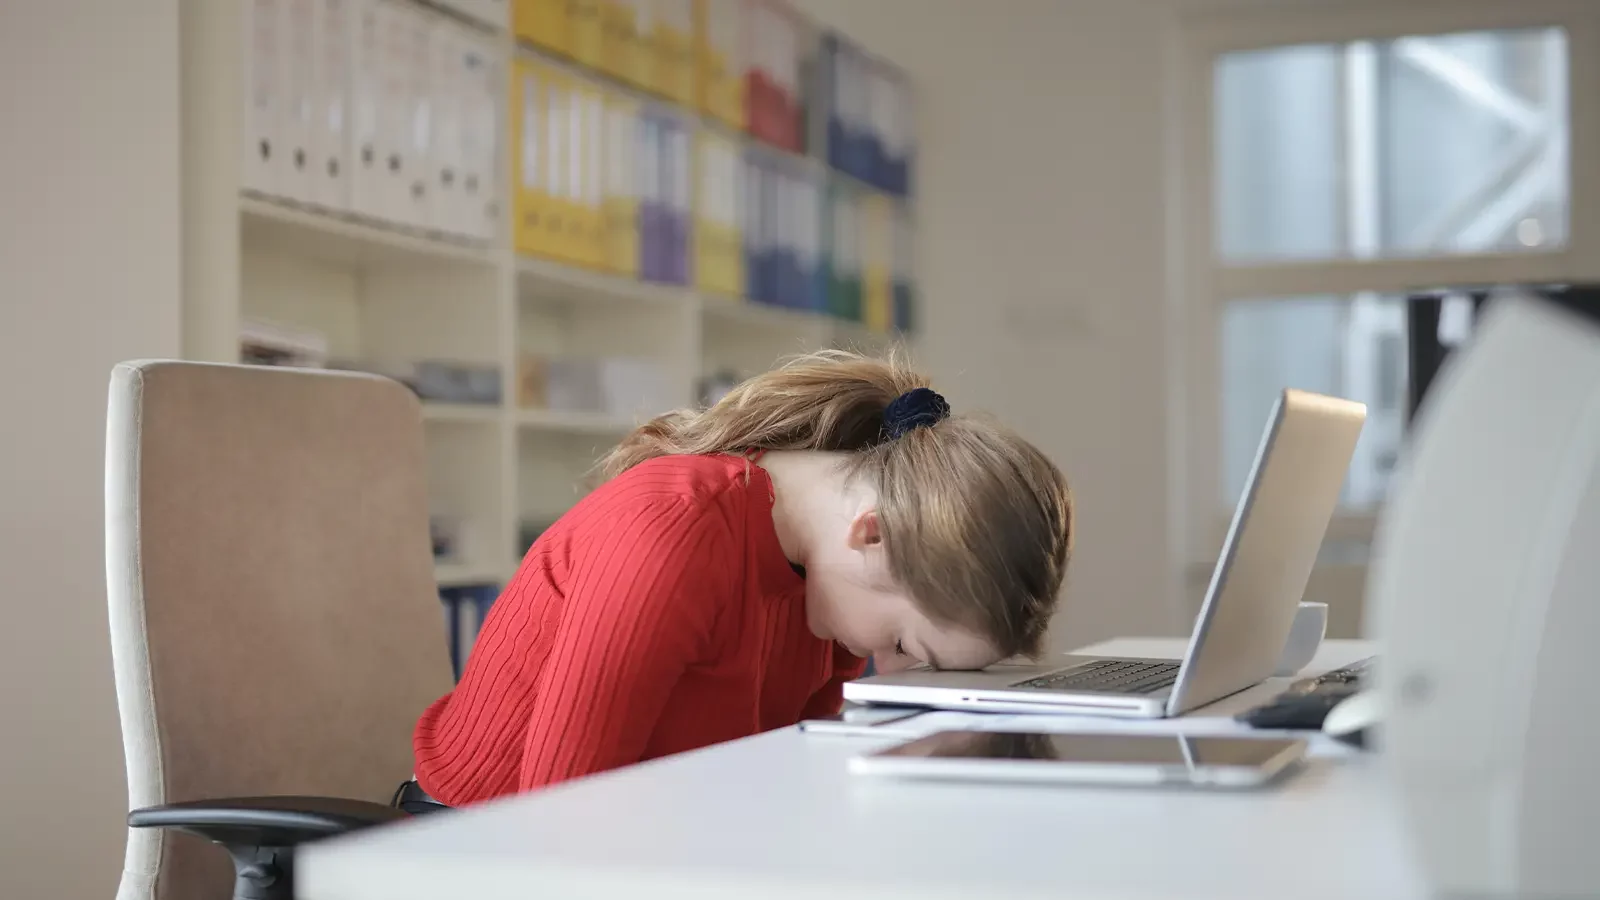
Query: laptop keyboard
{"points": [[1108, 676]]}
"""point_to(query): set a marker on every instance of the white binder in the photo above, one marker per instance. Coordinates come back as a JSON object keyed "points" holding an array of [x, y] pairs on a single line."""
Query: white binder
{"points": [[368, 154], [448, 89], [483, 136], [261, 149], [408, 65], [299, 79], [331, 166], [465, 87]]}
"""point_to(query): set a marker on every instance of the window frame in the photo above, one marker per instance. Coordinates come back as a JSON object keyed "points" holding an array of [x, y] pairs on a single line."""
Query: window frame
{"points": [[1201, 284]]}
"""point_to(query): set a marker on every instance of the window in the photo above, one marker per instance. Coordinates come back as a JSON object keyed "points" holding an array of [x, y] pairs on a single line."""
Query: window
{"points": [[1351, 347], [1384, 351], [1412, 147], [1342, 166]]}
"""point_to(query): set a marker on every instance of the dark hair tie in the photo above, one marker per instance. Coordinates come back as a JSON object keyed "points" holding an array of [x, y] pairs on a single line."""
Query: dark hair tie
{"points": [[916, 408]]}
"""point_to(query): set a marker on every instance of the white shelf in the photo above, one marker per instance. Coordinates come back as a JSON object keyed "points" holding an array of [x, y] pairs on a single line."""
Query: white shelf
{"points": [[548, 281], [747, 313], [348, 241], [576, 423]]}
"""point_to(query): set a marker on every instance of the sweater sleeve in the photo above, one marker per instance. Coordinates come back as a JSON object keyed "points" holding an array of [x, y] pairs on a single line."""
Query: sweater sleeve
{"points": [[641, 607], [829, 698], [827, 701]]}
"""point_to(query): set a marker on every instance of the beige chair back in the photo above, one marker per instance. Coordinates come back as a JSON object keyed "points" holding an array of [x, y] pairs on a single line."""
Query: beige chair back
{"points": [[275, 624]]}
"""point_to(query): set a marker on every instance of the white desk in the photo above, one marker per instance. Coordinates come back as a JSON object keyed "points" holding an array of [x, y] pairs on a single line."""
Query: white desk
{"points": [[778, 816]]}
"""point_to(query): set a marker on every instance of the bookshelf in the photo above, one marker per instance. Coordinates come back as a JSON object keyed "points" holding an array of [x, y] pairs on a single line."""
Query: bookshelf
{"points": [[342, 272]]}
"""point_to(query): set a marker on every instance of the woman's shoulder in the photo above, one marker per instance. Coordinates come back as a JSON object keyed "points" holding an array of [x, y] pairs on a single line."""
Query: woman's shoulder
{"points": [[721, 485], [694, 478]]}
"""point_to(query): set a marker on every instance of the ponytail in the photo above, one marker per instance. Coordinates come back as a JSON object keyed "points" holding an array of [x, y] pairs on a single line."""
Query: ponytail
{"points": [[831, 400]]}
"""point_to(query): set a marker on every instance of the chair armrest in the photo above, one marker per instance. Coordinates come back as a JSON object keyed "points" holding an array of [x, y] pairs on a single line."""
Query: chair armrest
{"points": [[260, 833], [266, 821]]}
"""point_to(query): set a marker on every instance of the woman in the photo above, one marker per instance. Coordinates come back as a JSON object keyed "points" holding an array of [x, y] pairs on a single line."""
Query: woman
{"points": [[739, 564]]}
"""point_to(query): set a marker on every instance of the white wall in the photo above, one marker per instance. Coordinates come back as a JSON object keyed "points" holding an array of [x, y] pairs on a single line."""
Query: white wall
{"points": [[89, 275], [1041, 257]]}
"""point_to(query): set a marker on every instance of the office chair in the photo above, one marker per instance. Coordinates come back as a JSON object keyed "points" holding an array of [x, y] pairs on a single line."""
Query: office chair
{"points": [[275, 624]]}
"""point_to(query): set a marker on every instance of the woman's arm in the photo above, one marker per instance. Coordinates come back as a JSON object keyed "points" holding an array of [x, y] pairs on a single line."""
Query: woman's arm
{"points": [[640, 608], [829, 699]]}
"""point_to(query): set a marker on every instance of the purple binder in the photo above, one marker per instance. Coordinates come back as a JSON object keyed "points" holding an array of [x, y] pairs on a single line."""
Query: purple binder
{"points": [[652, 237], [678, 209]]}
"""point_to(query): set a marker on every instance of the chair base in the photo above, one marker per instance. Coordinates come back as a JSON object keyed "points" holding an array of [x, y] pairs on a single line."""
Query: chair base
{"points": [[262, 873]]}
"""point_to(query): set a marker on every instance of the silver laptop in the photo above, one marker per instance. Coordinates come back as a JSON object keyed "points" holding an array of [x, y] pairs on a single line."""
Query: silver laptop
{"points": [[1266, 560]]}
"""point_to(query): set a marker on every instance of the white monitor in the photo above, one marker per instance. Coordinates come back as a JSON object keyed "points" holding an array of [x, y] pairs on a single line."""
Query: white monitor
{"points": [[1485, 597]]}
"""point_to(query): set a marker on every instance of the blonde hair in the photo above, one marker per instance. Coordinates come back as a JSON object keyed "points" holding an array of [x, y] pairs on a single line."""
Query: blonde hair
{"points": [[976, 522]]}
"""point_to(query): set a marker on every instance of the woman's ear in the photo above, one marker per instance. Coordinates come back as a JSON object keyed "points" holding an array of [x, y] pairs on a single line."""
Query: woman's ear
{"points": [[865, 531]]}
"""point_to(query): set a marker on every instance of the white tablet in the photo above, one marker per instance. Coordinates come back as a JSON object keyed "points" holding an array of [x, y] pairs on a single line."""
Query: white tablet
{"points": [[1104, 759]]}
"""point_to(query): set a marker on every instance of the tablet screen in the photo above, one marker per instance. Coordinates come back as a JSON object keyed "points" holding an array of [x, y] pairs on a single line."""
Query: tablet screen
{"points": [[1108, 749]]}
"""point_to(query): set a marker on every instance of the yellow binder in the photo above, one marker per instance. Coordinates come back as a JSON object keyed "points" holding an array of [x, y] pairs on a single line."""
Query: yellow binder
{"points": [[639, 54], [877, 261], [674, 51], [718, 251], [588, 242], [616, 37], [621, 190], [543, 23], [562, 222], [718, 56], [530, 198], [587, 30]]}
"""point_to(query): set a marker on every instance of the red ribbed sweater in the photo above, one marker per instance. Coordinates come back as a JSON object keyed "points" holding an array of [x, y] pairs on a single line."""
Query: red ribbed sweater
{"points": [[658, 615]]}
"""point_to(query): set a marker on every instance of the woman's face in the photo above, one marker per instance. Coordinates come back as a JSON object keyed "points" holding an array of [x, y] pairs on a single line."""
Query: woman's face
{"points": [[851, 598]]}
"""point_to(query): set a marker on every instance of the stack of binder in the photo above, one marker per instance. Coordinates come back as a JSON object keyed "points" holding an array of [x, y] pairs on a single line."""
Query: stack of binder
{"points": [[526, 121], [621, 201], [559, 124], [381, 109], [678, 174], [665, 168], [719, 68], [782, 245], [807, 289], [904, 273], [774, 41], [591, 235], [753, 200], [842, 243], [877, 261], [719, 256], [896, 132], [467, 154], [864, 105], [296, 125], [783, 206]]}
